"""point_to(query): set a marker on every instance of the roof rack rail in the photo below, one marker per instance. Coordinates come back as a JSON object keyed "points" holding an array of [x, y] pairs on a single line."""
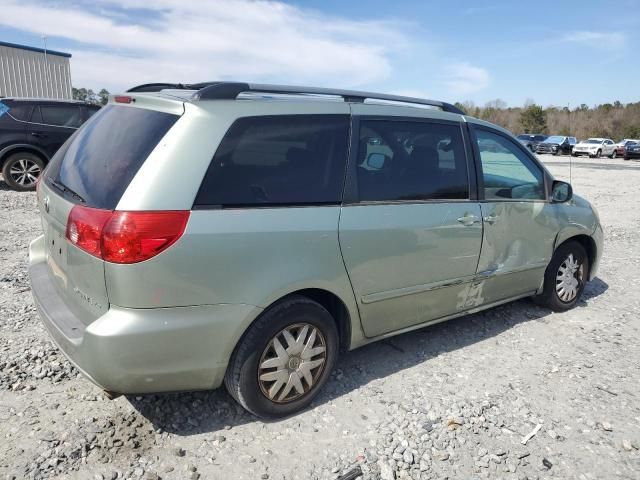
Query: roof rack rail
{"points": [[156, 87], [231, 90]]}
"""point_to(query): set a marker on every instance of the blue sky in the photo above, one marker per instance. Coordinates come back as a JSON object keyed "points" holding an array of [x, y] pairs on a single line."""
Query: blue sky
{"points": [[551, 52]]}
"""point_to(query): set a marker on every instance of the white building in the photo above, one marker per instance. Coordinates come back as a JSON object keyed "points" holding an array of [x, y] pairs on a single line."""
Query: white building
{"points": [[34, 72]]}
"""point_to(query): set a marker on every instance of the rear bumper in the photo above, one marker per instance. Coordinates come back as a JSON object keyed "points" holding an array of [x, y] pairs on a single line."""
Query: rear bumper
{"points": [[142, 350]]}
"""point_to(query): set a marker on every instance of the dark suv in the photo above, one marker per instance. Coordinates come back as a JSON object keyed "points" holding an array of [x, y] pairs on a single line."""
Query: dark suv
{"points": [[557, 145], [31, 131], [531, 140]]}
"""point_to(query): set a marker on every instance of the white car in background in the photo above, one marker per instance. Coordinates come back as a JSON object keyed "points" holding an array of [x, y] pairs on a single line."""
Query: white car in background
{"points": [[595, 148]]}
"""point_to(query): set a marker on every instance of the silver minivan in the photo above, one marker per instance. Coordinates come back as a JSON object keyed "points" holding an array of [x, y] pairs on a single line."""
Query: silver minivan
{"points": [[223, 232]]}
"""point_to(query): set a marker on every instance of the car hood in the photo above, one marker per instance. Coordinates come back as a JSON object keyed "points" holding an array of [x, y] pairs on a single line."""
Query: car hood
{"points": [[548, 144], [588, 145]]}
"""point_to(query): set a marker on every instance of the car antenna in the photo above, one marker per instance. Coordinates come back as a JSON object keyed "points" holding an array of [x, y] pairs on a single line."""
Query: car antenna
{"points": [[571, 152]]}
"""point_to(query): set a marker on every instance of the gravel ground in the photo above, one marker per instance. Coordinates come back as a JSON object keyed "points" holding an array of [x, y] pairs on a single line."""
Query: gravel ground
{"points": [[451, 401]]}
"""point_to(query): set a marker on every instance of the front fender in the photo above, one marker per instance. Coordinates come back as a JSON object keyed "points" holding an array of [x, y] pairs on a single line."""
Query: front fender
{"points": [[581, 219]]}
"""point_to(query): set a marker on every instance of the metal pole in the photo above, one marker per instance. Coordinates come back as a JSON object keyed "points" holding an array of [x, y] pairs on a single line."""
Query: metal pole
{"points": [[46, 66]]}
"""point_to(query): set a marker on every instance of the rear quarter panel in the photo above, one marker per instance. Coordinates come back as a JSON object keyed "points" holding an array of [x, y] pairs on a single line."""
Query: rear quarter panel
{"points": [[239, 256]]}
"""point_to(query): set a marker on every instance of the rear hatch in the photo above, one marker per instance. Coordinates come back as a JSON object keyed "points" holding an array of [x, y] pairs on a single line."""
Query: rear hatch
{"points": [[93, 169]]}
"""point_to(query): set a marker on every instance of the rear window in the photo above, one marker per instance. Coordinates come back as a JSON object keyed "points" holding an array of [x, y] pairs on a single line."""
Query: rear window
{"points": [[19, 111], [278, 160], [61, 115], [101, 159]]}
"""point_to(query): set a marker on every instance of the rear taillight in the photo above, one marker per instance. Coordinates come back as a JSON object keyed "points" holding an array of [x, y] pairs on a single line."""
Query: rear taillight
{"points": [[84, 228], [38, 180], [124, 237]]}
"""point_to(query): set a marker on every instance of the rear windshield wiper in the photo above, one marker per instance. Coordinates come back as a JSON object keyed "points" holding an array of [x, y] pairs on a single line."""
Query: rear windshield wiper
{"points": [[63, 188]]}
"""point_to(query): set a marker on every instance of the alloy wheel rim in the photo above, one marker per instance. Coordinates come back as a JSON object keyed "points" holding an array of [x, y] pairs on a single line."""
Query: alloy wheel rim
{"points": [[24, 172], [292, 363], [569, 278]]}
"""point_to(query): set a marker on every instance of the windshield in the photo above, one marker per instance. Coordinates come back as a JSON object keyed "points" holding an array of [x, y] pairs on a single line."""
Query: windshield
{"points": [[555, 139], [593, 140]]}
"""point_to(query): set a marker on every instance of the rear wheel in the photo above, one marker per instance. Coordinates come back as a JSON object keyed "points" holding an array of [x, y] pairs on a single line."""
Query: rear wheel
{"points": [[284, 358], [565, 277], [21, 170]]}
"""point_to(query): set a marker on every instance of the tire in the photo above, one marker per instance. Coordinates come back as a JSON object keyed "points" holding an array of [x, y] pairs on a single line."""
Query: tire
{"points": [[552, 296], [598, 153], [627, 158], [574, 154], [556, 153], [613, 155], [21, 170], [257, 344]]}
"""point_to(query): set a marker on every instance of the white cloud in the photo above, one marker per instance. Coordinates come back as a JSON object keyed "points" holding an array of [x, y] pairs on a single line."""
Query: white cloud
{"points": [[464, 78], [193, 40], [599, 40]]}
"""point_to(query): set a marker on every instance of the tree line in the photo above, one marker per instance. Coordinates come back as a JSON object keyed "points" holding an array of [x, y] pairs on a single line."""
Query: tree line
{"points": [[89, 96], [609, 120]]}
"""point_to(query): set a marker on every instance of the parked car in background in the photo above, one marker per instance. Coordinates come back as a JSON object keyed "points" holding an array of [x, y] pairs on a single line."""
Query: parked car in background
{"points": [[632, 151], [298, 228], [557, 145], [531, 141], [595, 148], [31, 131], [621, 145]]}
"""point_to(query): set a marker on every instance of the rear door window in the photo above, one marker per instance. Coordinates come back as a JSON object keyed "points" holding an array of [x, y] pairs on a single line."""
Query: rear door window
{"points": [[278, 160], [61, 115], [405, 161], [101, 159]]}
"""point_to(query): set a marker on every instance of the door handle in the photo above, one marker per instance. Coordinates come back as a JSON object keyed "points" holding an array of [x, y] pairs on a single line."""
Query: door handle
{"points": [[39, 135], [468, 219], [491, 219]]}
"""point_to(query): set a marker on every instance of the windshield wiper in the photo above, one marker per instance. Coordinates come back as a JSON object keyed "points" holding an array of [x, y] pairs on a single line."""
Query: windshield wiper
{"points": [[63, 188]]}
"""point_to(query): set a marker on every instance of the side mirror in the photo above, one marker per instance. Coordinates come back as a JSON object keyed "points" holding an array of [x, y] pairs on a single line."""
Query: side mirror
{"points": [[375, 161], [561, 192]]}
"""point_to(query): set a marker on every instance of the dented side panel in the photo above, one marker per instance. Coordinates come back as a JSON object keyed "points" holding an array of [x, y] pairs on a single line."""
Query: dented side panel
{"points": [[409, 263]]}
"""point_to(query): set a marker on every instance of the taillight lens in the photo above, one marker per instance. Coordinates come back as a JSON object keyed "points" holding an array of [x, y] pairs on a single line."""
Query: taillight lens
{"points": [[131, 237], [84, 228], [124, 237], [38, 180]]}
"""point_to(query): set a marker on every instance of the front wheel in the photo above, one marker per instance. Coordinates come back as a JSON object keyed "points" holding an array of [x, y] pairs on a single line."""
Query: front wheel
{"points": [[565, 277], [21, 171], [284, 358], [598, 153]]}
